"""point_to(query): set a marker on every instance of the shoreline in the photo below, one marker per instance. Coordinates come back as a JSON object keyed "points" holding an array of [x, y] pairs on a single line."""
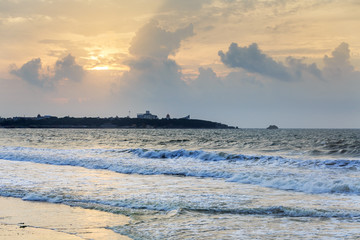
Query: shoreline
{"points": [[21, 219]]}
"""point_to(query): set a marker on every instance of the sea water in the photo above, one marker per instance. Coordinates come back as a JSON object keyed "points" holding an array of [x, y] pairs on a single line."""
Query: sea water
{"points": [[194, 184]]}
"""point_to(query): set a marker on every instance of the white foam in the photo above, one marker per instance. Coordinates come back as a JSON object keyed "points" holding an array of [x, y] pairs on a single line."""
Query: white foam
{"points": [[310, 176]]}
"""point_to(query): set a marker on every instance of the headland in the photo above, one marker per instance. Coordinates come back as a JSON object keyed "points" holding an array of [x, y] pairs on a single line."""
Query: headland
{"points": [[112, 122]]}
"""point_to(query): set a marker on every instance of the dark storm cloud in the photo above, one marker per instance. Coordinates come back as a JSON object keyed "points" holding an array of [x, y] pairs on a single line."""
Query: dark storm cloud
{"points": [[64, 69]]}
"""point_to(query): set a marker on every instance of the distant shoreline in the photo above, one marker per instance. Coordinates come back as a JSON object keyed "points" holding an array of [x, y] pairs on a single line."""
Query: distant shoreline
{"points": [[104, 123]]}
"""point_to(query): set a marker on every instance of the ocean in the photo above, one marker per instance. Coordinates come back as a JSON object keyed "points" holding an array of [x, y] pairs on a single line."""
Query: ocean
{"points": [[194, 184]]}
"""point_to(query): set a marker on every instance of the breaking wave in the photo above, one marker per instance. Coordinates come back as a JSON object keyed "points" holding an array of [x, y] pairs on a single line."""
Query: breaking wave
{"points": [[310, 176], [222, 156]]}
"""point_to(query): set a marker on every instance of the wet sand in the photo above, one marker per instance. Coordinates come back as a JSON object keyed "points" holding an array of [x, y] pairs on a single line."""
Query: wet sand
{"points": [[38, 220]]}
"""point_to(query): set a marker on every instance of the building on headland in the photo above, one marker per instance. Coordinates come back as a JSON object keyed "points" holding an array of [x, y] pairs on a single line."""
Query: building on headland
{"points": [[39, 117], [187, 117], [146, 115]]}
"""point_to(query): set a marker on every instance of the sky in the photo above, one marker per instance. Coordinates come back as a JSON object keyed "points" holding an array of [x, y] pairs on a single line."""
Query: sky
{"points": [[245, 63]]}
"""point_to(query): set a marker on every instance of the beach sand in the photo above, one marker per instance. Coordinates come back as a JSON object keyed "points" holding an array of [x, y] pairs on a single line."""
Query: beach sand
{"points": [[38, 220]]}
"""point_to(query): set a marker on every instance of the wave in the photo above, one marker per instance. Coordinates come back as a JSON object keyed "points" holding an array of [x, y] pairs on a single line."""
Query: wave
{"points": [[313, 183], [130, 206], [32, 154], [198, 154], [129, 209], [277, 211], [260, 159], [282, 211], [310, 176]]}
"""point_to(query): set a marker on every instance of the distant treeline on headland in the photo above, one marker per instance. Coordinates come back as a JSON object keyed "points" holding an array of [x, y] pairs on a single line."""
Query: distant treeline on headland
{"points": [[113, 122]]}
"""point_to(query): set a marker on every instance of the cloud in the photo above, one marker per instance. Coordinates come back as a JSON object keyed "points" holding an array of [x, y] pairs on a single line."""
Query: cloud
{"points": [[338, 65], [153, 73], [207, 75], [184, 5], [207, 81], [153, 41], [155, 82], [68, 69], [64, 69], [239, 79], [30, 72], [300, 70], [253, 60], [153, 78]]}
